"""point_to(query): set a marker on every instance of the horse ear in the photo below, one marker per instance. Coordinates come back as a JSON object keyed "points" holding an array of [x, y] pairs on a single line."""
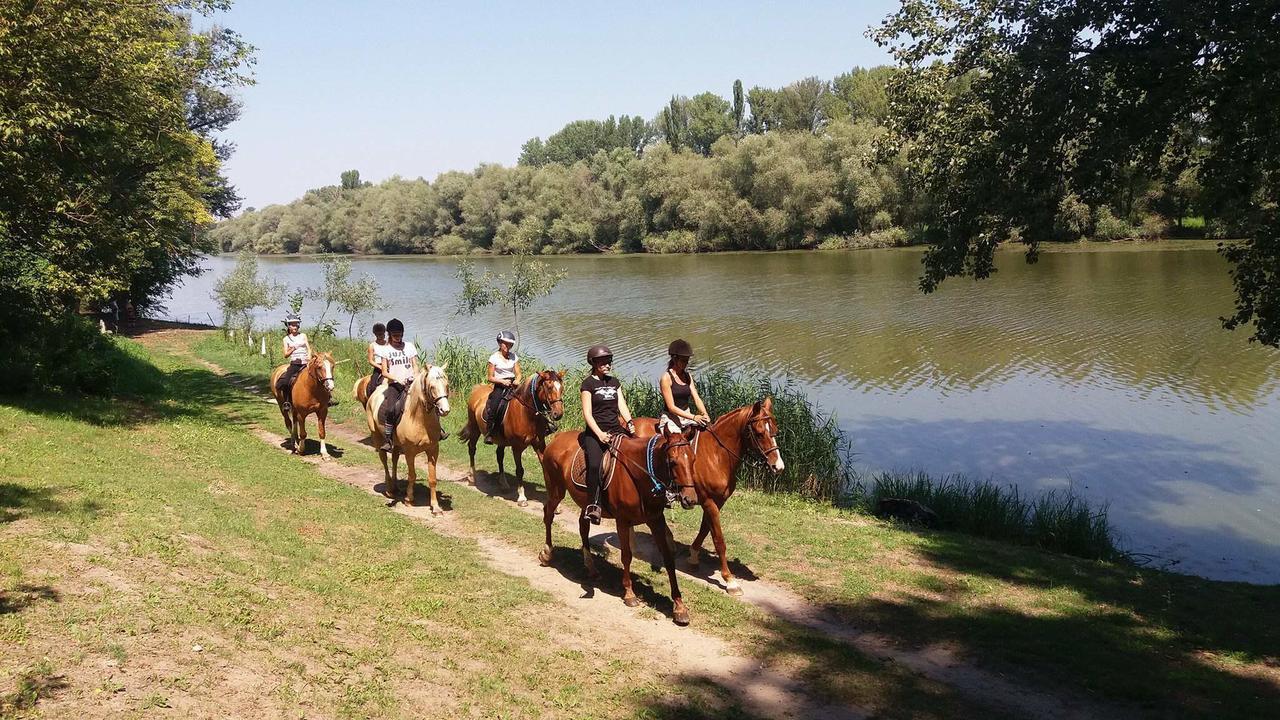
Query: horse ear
{"points": [[755, 409], [560, 374], [768, 403], [442, 367]]}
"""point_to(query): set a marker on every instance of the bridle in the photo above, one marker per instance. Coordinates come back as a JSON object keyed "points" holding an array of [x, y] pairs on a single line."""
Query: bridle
{"points": [[674, 444], [314, 368], [537, 406], [432, 398], [752, 433]]}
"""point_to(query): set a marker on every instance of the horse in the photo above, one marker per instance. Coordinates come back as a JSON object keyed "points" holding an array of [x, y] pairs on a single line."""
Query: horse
{"points": [[311, 392], [417, 432], [531, 416], [717, 457], [360, 390], [630, 499]]}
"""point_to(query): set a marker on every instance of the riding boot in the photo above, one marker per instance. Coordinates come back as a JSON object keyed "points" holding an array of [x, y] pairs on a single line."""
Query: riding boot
{"points": [[593, 511], [388, 430]]}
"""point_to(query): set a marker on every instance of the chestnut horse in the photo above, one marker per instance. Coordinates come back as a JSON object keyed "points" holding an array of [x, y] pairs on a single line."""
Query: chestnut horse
{"points": [[418, 431], [311, 391], [531, 416], [717, 457], [630, 499], [360, 390]]}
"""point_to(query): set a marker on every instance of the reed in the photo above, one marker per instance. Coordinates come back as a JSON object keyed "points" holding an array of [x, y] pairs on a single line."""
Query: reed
{"points": [[1057, 520]]}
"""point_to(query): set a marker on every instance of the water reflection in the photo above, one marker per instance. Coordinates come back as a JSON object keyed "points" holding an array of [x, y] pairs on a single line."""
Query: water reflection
{"points": [[1107, 366]]}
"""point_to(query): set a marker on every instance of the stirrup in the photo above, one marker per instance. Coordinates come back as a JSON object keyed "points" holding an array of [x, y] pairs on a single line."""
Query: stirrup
{"points": [[593, 513]]}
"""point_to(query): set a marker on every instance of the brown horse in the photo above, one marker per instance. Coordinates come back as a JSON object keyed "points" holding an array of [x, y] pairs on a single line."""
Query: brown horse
{"points": [[531, 416], [311, 392], [630, 499], [360, 390], [717, 456], [418, 431]]}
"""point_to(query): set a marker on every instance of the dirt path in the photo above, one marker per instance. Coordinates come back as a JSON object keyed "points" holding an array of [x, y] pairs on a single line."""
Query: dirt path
{"points": [[687, 651]]}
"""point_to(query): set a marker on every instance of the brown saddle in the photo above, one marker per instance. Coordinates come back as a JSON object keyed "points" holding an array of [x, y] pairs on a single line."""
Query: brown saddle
{"points": [[578, 470]]}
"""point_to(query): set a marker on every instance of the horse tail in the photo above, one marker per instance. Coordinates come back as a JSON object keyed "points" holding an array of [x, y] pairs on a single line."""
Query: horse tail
{"points": [[470, 431]]}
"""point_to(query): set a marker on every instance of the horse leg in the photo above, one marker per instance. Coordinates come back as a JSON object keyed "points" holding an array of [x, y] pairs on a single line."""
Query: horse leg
{"points": [[300, 422], [320, 418], [555, 493], [584, 529], [695, 547], [388, 485], [395, 469], [411, 462], [501, 453], [658, 526], [712, 512], [472, 438], [626, 533], [521, 500], [432, 456]]}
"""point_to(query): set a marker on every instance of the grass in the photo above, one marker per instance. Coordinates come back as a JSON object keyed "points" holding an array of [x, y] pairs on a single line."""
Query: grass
{"points": [[1162, 644], [159, 556]]}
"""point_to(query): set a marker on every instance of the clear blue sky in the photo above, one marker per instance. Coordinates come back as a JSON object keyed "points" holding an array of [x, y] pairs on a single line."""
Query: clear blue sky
{"points": [[415, 88]]}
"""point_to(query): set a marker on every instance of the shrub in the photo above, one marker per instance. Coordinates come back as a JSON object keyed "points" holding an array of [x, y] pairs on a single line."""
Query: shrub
{"points": [[676, 241], [1107, 226], [451, 244]]}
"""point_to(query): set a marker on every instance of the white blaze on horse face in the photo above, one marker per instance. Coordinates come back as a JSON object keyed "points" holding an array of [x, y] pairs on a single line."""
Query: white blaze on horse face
{"points": [[328, 375], [777, 464]]}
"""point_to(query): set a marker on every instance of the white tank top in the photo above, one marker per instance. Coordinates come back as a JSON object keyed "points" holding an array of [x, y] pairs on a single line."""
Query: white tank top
{"points": [[504, 368], [297, 345]]}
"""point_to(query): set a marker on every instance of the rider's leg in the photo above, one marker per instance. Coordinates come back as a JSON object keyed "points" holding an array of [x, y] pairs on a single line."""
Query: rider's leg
{"points": [[285, 385], [491, 412], [593, 452], [389, 413]]}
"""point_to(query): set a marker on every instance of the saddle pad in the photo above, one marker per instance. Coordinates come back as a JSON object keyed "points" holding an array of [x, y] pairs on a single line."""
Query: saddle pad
{"points": [[578, 470]]}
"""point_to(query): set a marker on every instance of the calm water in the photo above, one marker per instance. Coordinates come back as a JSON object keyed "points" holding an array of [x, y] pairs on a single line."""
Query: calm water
{"points": [[1104, 369]]}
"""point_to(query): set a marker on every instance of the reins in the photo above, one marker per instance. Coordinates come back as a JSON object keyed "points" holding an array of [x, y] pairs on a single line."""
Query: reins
{"points": [[542, 412], [746, 429], [648, 470]]}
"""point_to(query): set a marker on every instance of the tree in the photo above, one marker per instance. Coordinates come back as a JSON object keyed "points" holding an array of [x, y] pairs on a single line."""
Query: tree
{"points": [[709, 118], [739, 106], [1009, 106], [515, 290], [350, 179], [674, 120], [358, 297], [241, 291]]}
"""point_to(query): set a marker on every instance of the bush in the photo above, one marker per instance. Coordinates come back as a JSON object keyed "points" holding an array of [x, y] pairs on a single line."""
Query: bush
{"points": [[452, 244], [1153, 227], [1072, 219], [887, 238], [676, 241], [1107, 226]]}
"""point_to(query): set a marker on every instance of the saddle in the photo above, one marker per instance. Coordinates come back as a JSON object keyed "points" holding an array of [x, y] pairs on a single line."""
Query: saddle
{"points": [[578, 470]]}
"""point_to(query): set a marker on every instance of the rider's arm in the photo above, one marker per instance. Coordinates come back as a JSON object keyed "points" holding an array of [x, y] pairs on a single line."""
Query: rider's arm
{"points": [[493, 374], [623, 411], [369, 354], [285, 344], [697, 401], [414, 364], [519, 374], [591, 421]]}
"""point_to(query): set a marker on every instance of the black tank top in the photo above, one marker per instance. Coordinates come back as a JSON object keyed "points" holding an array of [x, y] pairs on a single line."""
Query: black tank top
{"points": [[681, 395]]}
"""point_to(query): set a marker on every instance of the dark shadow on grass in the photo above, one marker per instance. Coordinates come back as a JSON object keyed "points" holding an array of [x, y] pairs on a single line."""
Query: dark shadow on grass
{"points": [[19, 500], [492, 484], [25, 595]]}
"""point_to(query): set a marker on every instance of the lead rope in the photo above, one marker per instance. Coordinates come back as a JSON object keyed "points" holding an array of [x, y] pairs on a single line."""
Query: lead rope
{"points": [[648, 458]]}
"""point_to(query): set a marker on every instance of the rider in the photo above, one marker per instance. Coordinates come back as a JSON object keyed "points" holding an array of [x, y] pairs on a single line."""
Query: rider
{"points": [[377, 357], [678, 390], [505, 374], [602, 407], [400, 364], [297, 349]]}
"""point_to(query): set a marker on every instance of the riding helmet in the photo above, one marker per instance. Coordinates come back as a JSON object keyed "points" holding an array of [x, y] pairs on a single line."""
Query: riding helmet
{"points": [[680, 348], [596, 352], [395, 326], [506, 336], [292, 319]]}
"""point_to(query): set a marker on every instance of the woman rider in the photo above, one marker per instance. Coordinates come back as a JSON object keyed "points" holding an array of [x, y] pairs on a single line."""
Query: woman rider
{"points": [[679, 391], [603, 406], [377, 353], [297, 350], [400, 364], [505, 374]]}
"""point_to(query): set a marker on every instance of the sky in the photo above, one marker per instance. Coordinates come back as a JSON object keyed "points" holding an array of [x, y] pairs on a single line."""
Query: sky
{"points": [[416, 88]]}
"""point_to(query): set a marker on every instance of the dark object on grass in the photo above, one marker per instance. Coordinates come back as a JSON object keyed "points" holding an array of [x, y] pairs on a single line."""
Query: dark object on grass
{"points": [[907, 511]]}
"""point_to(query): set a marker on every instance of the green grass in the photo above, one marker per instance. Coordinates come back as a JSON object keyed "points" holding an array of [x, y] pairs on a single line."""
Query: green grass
{"points": [[158, 555], [1170, 645]]}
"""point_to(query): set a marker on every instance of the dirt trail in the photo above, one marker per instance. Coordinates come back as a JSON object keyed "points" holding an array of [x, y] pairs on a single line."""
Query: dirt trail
{"points": [[689, 652]]}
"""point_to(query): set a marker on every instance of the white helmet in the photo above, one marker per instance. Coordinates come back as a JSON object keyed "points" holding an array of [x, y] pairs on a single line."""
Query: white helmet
{"points": [[506, 336]]}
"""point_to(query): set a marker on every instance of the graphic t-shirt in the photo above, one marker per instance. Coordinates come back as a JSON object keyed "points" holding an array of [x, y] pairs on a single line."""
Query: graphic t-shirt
{"points": [[604, 401], [400, 362], [297, 345], [504, 368]]}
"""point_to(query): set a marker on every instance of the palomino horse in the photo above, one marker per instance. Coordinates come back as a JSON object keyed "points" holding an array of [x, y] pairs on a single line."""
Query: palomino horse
{"points": [[417, 432], [630, 499], [531, 416], [717, 456], [311, 392], [360, 390]]}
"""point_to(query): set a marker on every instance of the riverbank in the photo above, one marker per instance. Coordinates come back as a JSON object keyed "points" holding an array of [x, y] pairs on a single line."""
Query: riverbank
{"points": [[1117, 632]]}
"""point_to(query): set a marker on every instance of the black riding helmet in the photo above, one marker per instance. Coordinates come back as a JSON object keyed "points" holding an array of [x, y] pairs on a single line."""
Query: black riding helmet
{"points": [[598, 352], [395, 326], [680, 348]]}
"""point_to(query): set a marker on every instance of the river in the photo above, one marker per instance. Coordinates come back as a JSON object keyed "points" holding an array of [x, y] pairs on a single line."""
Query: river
{"points": [[1101, 367]]}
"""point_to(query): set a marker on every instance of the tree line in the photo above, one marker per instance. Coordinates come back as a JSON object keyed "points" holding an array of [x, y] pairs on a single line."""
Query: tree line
{"points": [[811, 164]]}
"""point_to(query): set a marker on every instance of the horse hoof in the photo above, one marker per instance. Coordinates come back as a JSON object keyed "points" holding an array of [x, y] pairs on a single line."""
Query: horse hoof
{"points": [[436, 511], [633, 601], [734, 589], [544, 556], [680, 617], [693, 561], [522, 503]]}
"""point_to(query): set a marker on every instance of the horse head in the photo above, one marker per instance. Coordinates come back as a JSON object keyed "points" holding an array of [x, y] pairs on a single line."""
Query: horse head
{"points": [[679, 456], [549, 395], [321, 368], [433, 386], [762, 431]]}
